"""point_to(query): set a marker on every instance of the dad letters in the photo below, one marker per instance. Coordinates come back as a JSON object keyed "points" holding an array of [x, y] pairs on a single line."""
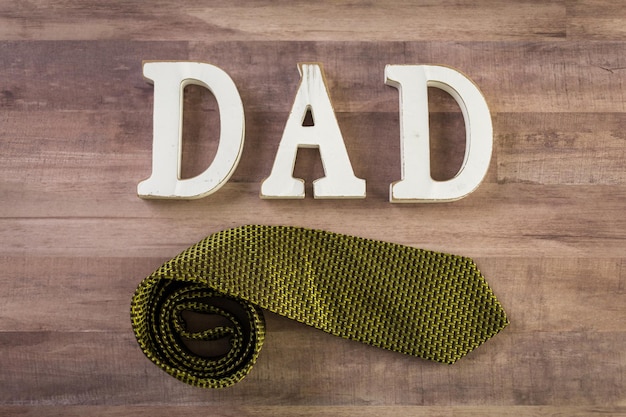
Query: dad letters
{"points": [[412, 82]]}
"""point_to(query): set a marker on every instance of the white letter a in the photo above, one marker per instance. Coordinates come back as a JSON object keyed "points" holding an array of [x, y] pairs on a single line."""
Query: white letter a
{"points": [[340, 181]]}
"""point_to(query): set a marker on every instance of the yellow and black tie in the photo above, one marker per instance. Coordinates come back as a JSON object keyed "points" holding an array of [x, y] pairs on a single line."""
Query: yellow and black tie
{"points": [[423, 303]]}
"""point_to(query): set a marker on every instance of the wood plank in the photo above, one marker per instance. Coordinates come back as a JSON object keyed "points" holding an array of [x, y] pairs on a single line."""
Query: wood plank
{"points": [[36, 291], [562, 148], [251, 20], [596, 20], [514, 76], [80, 76], [559, 368], [539, 219], [314, 410]]}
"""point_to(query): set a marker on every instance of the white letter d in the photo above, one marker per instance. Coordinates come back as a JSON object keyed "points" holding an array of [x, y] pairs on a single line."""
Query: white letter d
{"points": [[170, 80]]}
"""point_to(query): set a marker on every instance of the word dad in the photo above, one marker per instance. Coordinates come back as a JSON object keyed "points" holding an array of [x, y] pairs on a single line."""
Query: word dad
{"points": [[412, 82]]}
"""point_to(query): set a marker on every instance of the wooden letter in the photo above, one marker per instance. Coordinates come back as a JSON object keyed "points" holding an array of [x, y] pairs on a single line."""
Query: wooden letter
{"points": [[170, 80], [417, 184], [340, 181]]}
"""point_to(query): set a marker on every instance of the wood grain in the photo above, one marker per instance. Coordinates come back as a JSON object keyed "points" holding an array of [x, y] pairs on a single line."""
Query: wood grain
{"points": [[547, 227], [285, 20]]}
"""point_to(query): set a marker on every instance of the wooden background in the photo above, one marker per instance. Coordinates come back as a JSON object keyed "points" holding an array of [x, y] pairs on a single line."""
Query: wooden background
{"points": [[547, 227]]}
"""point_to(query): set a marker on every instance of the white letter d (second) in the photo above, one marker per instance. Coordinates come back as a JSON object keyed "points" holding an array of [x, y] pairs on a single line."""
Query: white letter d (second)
{"points": [[416, 184]]}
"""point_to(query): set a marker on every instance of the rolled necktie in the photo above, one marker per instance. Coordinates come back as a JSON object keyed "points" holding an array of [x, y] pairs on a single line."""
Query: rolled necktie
{"points": [[428, 304]]}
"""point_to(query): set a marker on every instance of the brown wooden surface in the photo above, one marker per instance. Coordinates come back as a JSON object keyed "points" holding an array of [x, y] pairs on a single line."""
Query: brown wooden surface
{"points": [[547, 227]]}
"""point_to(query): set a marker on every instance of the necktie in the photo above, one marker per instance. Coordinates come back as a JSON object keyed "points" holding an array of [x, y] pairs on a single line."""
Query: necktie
{"points": [[428, 304]]}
